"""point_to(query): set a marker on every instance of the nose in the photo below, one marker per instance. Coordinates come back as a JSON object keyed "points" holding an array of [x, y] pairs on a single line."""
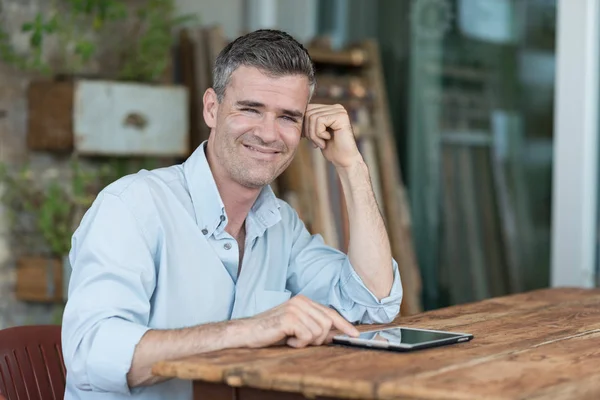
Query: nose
{"points": [[267, 130]]}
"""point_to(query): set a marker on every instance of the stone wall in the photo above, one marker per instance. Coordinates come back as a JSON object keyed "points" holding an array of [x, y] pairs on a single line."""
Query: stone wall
{"points": [[13, 126], [13, 117]]}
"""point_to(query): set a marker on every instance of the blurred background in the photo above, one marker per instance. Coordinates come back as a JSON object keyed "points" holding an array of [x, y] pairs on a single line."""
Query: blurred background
{"points": [[478, 119]]}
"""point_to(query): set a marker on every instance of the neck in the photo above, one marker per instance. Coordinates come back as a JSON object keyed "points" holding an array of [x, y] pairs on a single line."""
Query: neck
{"points": [[237, 199]]}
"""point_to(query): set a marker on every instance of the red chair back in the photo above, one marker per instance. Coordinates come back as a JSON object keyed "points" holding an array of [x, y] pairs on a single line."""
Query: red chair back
{"points": [[31, 363]]}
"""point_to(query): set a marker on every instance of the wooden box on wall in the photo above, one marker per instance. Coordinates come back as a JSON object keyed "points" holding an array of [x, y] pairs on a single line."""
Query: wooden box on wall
{"points": [[50, 120], [108, 118], [114, 118], [40, 279]]}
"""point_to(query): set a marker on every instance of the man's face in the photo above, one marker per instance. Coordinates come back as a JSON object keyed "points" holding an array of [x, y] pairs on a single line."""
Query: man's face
{"points": [[257, 126]]}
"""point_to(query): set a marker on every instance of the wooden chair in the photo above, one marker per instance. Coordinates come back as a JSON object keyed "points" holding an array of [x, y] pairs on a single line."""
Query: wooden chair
{"points": [[31, 363]]}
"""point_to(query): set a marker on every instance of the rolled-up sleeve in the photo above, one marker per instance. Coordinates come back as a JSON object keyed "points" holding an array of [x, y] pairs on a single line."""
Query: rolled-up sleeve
{"points": [[326, 275], [108, 308]]}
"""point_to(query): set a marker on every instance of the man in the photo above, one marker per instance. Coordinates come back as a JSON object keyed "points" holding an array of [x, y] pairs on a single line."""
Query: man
{"points": [[201, 256]]}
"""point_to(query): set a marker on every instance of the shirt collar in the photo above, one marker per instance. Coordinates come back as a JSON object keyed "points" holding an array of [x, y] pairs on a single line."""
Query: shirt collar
{"points": [[209, 209]]}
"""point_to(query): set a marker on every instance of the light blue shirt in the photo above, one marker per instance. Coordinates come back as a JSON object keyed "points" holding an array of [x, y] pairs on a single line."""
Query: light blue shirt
{"points": [[152, 253]]}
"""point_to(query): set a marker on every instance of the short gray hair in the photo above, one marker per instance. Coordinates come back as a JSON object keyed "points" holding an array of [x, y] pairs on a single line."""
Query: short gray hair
{"points": [[273, 52]]}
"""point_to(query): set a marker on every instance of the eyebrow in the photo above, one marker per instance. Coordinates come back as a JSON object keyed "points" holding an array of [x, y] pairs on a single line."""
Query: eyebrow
{"points": [[256, 104]]}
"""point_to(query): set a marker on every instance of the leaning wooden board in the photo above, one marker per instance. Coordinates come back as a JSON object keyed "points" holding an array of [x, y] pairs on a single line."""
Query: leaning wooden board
{"points": [[541, 345]]}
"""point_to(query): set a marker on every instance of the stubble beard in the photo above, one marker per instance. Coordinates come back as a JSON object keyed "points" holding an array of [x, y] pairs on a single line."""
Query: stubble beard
{"points": [[254, 174]]}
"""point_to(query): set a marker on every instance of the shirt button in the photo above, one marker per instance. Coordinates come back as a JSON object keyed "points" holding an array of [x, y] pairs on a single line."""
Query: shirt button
{"points": [[222, 218], [205, 231], [227, 246]]}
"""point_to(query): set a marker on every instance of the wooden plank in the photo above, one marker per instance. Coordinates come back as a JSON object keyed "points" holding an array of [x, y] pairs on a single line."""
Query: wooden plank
{"points": [[203, 65], [493, 250], [215, 42], [462, 282], [355, 57], [298, 178], [257, 394], [472, 233], [212, 367], [452, 317], [501, 327], [585, 389], [187, 53], [352, 373], [212, 391], [450, 260], [395, 205], [534, 372], [324, 218]]}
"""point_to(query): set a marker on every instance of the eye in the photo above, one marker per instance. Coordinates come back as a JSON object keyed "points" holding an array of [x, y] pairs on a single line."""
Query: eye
{"points": [[290, 119], [250, 110]]}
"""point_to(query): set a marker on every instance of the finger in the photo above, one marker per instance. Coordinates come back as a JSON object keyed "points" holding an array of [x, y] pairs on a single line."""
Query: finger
{"points": [[323, 134], [334, 119], [295, 343], [325, 316], [322, 122], [329, 337], [302, 337], [340, 323], [306, 132], [305, 315], [312, 124], [314, 311], [327, 121], [315, 107], [323, 320]]}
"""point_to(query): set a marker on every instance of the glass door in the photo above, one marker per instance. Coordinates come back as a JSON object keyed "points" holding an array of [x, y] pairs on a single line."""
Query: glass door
{"points": [[480, 150]]}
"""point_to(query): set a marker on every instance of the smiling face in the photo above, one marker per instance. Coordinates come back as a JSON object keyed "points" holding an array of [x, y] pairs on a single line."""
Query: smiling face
{"points": [[256, 128]]}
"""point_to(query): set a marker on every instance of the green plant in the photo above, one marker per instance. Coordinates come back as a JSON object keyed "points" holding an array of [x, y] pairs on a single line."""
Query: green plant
{"points": [[8, 53], [79, 24], [147, 58], [74, 23], [55, 208]]}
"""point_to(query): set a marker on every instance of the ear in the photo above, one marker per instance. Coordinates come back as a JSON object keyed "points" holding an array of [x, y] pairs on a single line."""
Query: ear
{"points": [[211, 106]]}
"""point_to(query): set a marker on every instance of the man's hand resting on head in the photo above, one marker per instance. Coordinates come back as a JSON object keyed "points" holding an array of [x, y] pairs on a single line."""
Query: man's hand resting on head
{"points": [[299, 322]]}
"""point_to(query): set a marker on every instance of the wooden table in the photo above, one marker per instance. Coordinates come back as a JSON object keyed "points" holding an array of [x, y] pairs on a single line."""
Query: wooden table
{"points": [[538, 345]]}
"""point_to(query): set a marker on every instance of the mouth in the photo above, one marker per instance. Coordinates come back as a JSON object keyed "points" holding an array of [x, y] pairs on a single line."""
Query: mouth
{"points": [[262, 150]]}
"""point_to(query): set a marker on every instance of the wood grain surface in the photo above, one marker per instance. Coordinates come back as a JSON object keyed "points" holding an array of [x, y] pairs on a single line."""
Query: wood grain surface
{"points": [[540, 345]]}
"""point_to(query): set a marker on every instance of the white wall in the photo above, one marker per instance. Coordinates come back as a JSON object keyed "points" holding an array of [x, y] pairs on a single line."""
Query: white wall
{"points": [[227, 13], [575, 179], [297, 17]]}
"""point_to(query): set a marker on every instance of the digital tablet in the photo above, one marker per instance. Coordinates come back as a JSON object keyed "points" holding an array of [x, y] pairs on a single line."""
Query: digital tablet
{"points": [[403, 339]]}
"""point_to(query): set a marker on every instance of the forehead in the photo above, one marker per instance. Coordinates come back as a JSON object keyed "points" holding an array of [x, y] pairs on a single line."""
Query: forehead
{"points": [[249, 83]]}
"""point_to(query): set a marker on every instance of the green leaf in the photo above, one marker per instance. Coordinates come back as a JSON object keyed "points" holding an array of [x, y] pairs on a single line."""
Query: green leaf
{"points": [[98, 23], [27, 27], [36, 39], [52, 25], [85, 49]]}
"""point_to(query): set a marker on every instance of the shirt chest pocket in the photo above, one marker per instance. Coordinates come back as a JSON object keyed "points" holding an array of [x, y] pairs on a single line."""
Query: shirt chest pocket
{"points": [[266, 299]]}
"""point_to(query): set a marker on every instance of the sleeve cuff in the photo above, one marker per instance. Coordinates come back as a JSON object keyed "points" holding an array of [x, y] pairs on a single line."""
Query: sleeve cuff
{"points": [[377, 311], [111, 355]]}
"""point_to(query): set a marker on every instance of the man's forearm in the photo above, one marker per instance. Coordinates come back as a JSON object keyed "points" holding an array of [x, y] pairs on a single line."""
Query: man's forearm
{"points": [[160, 345], [369, 248]]}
